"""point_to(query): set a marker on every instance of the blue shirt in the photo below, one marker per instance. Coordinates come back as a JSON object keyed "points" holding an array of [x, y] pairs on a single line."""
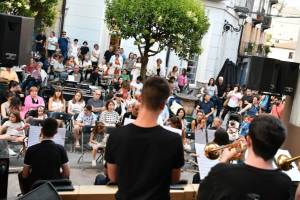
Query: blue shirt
{"points": [[63, 43], [206, 106]]}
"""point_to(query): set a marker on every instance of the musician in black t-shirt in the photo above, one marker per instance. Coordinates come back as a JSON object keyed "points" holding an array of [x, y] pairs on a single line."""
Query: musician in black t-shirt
{"points": [[142, 157], [44, 161], [256, 179]]}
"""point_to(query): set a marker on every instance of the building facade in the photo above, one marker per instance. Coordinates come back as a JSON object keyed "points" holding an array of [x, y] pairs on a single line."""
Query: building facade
{"points": [[84, 20]]}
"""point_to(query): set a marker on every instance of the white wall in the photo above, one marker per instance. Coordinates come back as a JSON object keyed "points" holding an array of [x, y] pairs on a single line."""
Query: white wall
{"points": [[281, 54], [84, 20]]}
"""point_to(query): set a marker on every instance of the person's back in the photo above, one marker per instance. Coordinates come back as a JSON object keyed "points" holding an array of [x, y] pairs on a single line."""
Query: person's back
{"points": [[145, 157], [45, 160], [257, 179], [243, 182]]}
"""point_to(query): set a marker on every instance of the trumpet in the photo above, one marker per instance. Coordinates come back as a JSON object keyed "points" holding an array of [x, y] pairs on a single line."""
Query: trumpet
{"points": [[283, 162], [213, 151]]}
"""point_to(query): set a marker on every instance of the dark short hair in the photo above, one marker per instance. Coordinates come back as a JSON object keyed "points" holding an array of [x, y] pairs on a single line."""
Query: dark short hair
{"points": [[139, 78], [88, 107], [85, 42], [108, 102], [49, 127], [267, 134], [75, 40], [176, 122], [221, 137], [155, 92]]}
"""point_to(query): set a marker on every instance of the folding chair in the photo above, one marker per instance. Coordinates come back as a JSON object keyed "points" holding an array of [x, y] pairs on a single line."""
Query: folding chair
{"points": [[85, 137]]}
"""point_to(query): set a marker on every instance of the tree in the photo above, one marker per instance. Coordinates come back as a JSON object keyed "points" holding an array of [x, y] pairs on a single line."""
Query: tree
{"points": [[44, 11], [156, 24]]}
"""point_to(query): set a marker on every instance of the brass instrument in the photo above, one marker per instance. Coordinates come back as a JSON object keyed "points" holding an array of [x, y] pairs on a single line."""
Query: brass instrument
{"points": [[213, 151], [283, 162]]}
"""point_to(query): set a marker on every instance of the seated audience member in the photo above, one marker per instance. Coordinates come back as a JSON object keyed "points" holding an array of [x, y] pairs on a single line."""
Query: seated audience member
{"points": [[46, 160], [95, 77], [5, 106], [251, 180], [96, 102], [120, 105], [16, 89], [125, 76], [136, 87], [31, 66], [75, 75], [216, 124], [13, 129], [76, 104], [85, 118], [40, 115], [8, 74], [59, 68], [277, 108], [133, 114], [208, 107], [87, 66], [98, 140], [33, 101], [196, 123], [252, 108], [57, 103], [109, 117]]}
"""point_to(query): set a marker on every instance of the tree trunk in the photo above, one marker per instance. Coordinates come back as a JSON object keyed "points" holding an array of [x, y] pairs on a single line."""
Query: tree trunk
{"points": [[145, 60]]}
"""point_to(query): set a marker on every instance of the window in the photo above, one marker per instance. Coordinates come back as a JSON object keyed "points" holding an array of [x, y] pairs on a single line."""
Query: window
{"points": [[291, 55]]}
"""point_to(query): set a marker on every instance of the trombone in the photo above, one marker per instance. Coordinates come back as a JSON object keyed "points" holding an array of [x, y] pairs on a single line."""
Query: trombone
{"points": [[283, 162], [213, 151]]}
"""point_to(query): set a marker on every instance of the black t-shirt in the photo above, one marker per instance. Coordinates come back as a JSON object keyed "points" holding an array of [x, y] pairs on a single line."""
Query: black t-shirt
{"points": [[221, 89], [244, 182], [145, 158], [108, 55], [84, 50], [45, 160], [246, 100], [40, 37]]}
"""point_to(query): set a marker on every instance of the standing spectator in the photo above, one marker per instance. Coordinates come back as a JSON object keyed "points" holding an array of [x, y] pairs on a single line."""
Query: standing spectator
{"points": [[234, 97], [221, 94], [117, 63], [142, 145], [277, 108], [108, 54], [173, 73], [40, 42], [182, 80], [136, 69], [52, 44], [211, 88], [122, 54], [84, 49], [95, 56], [130, 62], [74, 49], [63, 43]]}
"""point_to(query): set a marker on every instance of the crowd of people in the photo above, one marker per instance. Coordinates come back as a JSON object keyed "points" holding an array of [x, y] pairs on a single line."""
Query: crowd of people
{"points": [[148, 102]]}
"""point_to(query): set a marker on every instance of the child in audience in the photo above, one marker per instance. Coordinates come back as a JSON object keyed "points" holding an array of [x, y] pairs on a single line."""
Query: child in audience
{"points": [[13, 129], [98, 140]]}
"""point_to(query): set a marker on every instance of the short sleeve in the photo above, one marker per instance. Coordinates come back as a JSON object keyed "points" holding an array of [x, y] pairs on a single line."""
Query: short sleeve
{"points": [[64, 156], [110, 150], [80, 117], [178, 160], [27, 158]]}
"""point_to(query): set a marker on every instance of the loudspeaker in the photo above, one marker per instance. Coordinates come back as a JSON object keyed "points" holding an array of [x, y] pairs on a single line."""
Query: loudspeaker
{"points": [[4, 166], [15, 40], [263, 74], [288, 78], [272, 76]]}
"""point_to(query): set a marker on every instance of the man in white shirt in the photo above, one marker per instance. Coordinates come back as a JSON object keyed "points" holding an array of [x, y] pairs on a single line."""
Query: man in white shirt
{"points": [[52, 44]]}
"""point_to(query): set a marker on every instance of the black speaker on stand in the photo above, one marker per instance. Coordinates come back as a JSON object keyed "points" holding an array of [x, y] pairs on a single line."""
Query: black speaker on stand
{"points": [[4, 167], [16, 34]]}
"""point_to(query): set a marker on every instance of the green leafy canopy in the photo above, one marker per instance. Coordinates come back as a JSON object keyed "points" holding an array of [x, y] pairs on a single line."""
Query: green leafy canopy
{"points": [[178, 24]]}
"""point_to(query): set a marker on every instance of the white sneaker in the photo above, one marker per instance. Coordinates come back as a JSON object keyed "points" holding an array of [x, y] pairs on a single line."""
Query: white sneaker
{"points": [[94, 163], [11, 152]]}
